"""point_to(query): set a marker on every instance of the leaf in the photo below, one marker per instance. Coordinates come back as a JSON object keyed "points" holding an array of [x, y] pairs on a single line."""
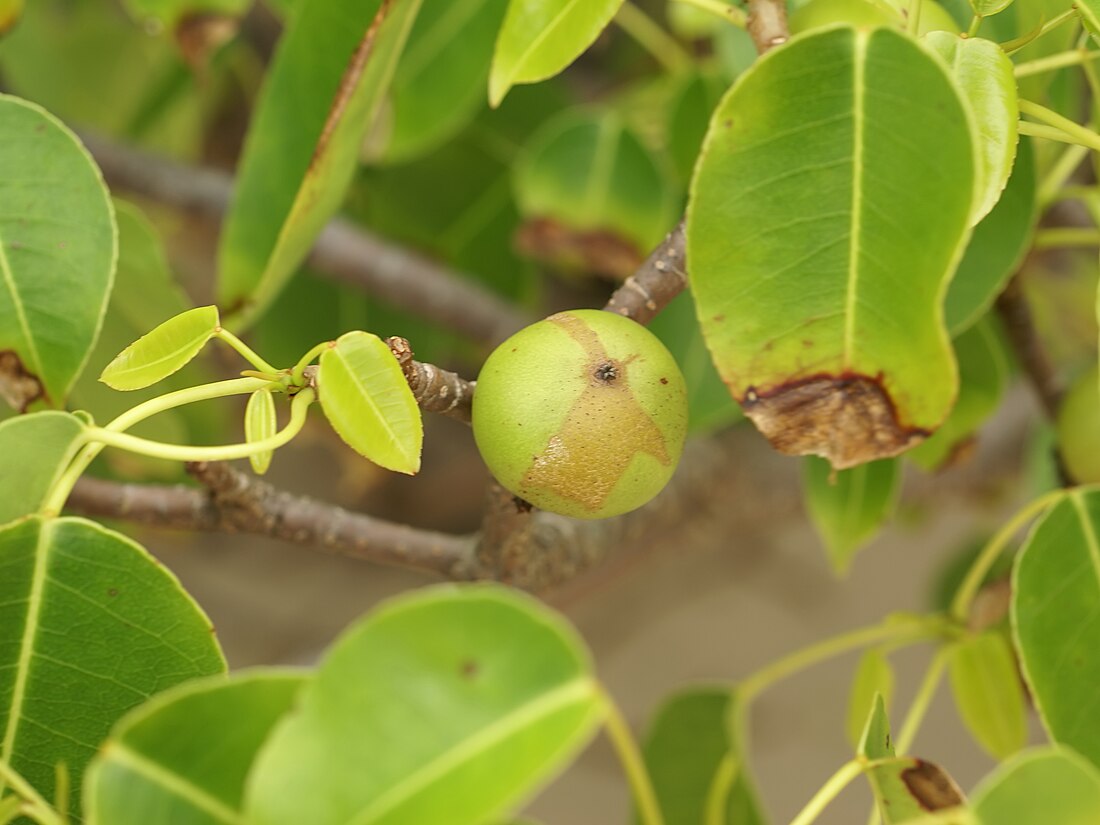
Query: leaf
{"points": [[444, 707], [368, 402], [689, 115], [905, 788], [988, 8], [691, 759], [58, 245], [36, 448], [1089, 12], [983, 373], [439, 84], [1078, 435], [874, 675], [848, 507], [827, 212], [158, 766], [594, 197], [162, 351], [1055, 592], [10, 10], [984, 75], [91, 627], [1041, 786], [709, 404], [539, 38], [259, 423], [303, 142], [987, 693]]}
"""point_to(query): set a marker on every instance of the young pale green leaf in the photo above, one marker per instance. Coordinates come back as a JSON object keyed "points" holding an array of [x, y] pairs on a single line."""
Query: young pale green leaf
{"points": [[57, 255], [439, 84], [539, 38], [85, 609], [322, 94], [874, 675], [368, 402], [848, 507], [694, 757], [36, 449], [1040, 787], [259, 423], [988, 8], [827, 212], [983, 372], [590, 174], [997, 247], [1055, 591], [159, 767], [443, 707], [984, 75], [161, 352], [988, 693]]}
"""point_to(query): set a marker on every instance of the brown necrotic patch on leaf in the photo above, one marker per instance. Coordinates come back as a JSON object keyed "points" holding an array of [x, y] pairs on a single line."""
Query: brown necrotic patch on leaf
{"points": [[931, 787], [849, 419], [18, 387]]}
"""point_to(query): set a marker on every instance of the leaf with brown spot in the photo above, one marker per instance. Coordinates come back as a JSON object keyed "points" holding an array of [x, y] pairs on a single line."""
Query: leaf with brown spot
{"points": [[827, 213]]}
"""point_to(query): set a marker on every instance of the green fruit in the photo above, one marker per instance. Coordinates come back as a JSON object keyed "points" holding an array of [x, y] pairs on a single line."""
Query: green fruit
{"points": [[1079, 429], [583, 414]]}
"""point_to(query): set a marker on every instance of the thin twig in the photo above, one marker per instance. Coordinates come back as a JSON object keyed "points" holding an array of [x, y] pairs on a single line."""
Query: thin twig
{"points": [[658, 280], [435, 390], [1013, 308], [768, 24], [343, 252]]}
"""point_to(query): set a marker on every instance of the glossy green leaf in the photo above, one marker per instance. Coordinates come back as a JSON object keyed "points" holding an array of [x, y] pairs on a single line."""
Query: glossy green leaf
{"points": [[997, 247], [368, 402], [987, 8], [905, 788], [444, 707], [589, 173], [163, 350], [693, 762], [1040, 787], [321, 95], [259, 423], [160, 765], [36, 448], [171, 12], [988, 693], [90, 627], [58, 246], [984, 74], [689, 115], [848, 507], [828, 210], [439, 84], [1078, 435], [1055, 593], [539, 38], [983, 373], [709, 404], [874, 675]]}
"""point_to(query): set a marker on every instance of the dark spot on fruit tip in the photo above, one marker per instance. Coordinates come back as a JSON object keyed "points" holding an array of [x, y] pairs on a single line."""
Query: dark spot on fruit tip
{"points": [[468, 669], [606, 372], [664, 380], [112, 591]]}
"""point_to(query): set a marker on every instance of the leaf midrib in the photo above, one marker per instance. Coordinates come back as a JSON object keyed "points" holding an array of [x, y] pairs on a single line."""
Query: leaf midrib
{"points": [[17, 303], [851, 300], [538, 41]]}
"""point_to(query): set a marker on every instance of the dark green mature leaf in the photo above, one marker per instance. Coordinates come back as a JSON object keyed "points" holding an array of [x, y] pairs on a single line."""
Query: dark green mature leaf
{"points": [[983, 373], [988, 693], [90, 627], [367, 400], [694, 764], [1040, 787], [58, 246], [161, 765], [444, 707], [439, 84], [588, 172], [874, 675], [36, 449], [848, 507], [827, 212], [539, 38], [163, 350], [1055, 593], [321, 96]]}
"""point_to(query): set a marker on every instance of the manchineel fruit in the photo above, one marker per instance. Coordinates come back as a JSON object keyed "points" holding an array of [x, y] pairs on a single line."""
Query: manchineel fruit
{"points": [[583, 413]]}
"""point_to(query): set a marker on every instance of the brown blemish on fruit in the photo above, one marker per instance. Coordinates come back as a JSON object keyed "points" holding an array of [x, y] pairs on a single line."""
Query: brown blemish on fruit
{"points": [[848, 419], [930, 787], [17, 386], [574, 465]]}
